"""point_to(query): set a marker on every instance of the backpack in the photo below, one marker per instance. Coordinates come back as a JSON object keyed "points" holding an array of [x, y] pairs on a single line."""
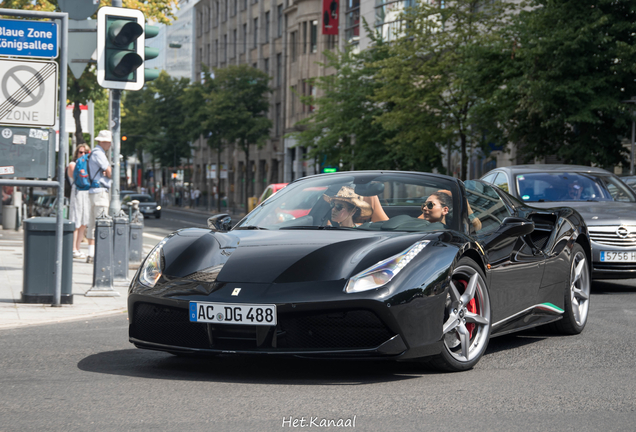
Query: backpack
{"points": [[81, 174]]}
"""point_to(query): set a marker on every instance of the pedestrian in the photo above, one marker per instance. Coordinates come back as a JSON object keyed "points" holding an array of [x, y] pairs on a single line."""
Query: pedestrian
{"points": [[100, 172], [197, 196], [79, 207]]}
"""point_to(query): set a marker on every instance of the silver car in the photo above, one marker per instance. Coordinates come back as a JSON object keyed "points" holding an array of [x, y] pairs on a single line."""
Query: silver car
{"points": [[607, 205]]}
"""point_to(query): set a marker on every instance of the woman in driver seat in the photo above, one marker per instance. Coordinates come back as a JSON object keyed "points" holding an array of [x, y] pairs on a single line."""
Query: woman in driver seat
{"points": [[347, 206]]}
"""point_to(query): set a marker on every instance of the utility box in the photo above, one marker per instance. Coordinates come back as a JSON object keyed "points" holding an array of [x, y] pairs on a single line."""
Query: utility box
{"points": [[40, 249]]}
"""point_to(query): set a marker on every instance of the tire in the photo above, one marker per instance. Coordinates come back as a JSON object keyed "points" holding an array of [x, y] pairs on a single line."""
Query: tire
{"points": [[467, 325], [577, 295], [157, 215]]}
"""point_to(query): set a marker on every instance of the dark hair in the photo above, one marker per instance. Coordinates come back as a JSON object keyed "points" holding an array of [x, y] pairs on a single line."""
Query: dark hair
{"points": [[444, 199]]}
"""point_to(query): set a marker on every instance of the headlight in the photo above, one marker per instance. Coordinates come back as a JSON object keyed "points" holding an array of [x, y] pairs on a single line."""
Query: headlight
{"points": [[151, 271], [382, 273], [158, 207]]}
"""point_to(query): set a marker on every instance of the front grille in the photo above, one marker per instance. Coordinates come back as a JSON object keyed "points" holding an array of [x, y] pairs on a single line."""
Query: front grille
{"points": [[168, 326], [350, 329], [354, 329], [609, 237]]}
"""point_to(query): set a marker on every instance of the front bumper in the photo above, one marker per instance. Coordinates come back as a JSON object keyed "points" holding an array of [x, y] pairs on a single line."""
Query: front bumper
{"points": [[611, 270], [322, 328]]}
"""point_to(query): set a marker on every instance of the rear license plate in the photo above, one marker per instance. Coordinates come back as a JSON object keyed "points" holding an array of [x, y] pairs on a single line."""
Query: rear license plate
{"points": [[227, 313], [611, 256]]}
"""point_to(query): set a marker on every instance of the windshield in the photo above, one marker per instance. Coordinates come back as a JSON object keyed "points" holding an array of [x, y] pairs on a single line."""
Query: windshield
{"points": [[140, 198], [351, 201], [569, 186]]}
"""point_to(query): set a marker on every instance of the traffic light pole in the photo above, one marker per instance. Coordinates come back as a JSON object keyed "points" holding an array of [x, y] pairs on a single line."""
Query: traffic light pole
{"points": [[115, 128]]}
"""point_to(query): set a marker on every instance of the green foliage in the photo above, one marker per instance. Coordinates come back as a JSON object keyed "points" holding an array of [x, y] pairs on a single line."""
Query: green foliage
{"points": [[80, 91], [243, 92], [426, 77], [155, 120], [345, 110], [563, 69]]}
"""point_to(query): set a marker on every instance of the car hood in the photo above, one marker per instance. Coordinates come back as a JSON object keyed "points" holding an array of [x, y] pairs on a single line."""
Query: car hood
{"points": [[598, 213], [283, 256]]}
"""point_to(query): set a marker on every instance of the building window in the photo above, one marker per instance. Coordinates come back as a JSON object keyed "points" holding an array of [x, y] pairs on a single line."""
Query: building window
{"points": [[387, 13], [312, 93], [244, 5], [206, 19], [279, 33], [235, 42], [234, 7], [314, 36], [199, 23], [305, 37], [277, 121], [294, 89], [352, 22], [207, 55], [216, 51], [217, 13], [279, 69], [244, 37], [255, 32], [267, 27], [266, 66], [226, 10], [292, 38], [224, 48], [200, 56]]}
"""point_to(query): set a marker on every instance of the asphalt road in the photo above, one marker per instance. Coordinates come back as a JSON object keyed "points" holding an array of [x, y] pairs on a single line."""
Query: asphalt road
{"points": [[86, 376]]}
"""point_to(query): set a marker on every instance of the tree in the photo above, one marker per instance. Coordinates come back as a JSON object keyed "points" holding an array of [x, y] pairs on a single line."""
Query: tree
{"points": [[160, 10], [80, 91], [242, 92], [562, 70], [425, 77], [154, 120], [343, 128]]}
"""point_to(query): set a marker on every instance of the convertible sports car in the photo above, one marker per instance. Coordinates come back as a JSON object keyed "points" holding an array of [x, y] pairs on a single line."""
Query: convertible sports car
{"points": [[418, 267]]}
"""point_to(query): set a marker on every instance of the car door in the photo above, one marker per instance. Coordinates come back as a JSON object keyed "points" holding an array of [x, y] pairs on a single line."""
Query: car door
{"points": [[515, 271]]}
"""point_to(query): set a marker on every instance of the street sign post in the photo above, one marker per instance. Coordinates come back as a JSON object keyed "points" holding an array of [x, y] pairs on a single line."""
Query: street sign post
{"points": [[25, 38], [28, 92], [11, 39]]}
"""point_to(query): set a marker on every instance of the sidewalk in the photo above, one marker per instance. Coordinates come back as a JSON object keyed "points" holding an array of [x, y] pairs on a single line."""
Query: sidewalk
{"points": [[13, 313]]}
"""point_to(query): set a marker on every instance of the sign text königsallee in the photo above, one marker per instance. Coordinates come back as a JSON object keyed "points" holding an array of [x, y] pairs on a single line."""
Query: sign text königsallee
{"points": [[22, 38]]}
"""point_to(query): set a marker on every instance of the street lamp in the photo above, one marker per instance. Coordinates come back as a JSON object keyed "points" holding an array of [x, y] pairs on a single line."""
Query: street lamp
{"points": [[631, 161]]}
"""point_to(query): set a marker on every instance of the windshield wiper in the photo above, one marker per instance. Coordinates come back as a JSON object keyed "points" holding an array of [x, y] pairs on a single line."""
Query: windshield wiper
{"points": [[251, 227]]}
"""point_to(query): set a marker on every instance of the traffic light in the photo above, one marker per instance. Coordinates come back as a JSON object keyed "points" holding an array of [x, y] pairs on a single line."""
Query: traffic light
{"points": [[124, 138], [120, 48], [150, 53]]}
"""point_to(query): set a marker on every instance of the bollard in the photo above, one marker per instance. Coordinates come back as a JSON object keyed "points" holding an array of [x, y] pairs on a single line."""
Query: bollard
{"points": [[136, 234], [120, 247], [103, 262]]}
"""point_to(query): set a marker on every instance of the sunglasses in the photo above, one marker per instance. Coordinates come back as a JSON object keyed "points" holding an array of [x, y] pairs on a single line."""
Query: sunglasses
{"points": [[337, 206], [81, 152], [428, 204]]}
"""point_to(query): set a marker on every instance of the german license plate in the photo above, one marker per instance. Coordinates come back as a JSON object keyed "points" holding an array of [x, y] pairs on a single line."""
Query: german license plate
{"points": [[228, 313], [611, 256]]}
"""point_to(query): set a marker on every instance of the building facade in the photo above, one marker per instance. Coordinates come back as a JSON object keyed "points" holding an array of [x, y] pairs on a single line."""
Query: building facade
{"points": [[282, 38]]}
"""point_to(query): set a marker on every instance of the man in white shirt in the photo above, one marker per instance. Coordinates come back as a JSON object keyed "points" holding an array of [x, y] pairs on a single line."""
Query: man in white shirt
{"points": [[101, 173]]}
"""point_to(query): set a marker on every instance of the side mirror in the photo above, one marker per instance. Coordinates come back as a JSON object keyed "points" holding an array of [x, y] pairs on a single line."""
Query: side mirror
{"points": [[220, 222], [511, 227], [516, 226]]}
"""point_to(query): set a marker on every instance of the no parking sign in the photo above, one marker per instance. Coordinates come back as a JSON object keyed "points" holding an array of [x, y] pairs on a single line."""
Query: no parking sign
{"points": [[28, 92]]}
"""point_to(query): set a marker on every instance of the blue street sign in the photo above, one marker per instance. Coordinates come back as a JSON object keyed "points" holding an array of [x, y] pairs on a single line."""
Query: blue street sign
{"points": [[24, 38]]}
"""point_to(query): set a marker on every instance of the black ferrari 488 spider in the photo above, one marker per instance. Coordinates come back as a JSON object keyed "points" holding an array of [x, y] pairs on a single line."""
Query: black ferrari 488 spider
{"points": [[366, 264]]}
